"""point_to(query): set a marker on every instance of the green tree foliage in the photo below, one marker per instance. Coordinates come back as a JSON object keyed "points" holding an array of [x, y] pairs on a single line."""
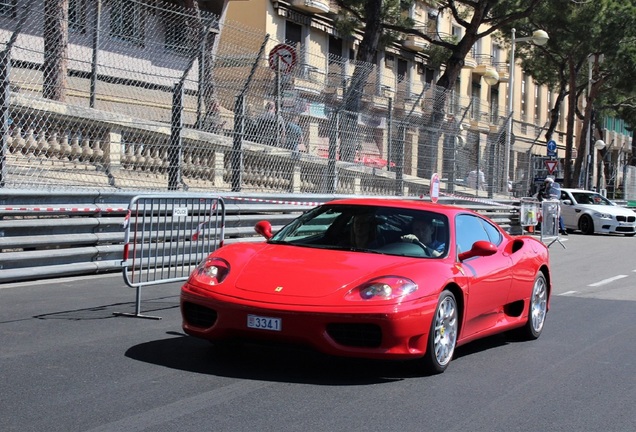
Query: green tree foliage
{"points": [[590, 56], [382, 20]]}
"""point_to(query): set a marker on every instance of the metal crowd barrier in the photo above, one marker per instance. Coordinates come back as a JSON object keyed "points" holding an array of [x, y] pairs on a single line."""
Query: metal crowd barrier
{"points": [[550, 213], [166, 236]]}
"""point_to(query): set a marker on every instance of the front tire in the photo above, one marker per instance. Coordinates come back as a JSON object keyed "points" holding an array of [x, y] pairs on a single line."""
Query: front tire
{"points": [[442, 337], [537, 309], [586, 224]]}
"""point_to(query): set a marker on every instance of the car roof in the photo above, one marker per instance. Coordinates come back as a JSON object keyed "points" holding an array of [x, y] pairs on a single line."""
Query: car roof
{"points": [[577, 190], [413, 204]]}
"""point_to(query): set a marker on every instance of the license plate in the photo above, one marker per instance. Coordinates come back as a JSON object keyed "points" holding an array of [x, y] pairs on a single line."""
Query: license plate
{"points": [[264, 323]]}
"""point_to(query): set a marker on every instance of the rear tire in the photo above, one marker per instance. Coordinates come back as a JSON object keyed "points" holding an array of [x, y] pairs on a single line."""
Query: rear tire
{"points": [[442, 337], [537, 309], [586, 225]]}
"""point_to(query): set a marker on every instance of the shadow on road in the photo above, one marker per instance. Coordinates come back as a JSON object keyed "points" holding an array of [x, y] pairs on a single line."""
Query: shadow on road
{"points": [[283, 364], [109, 311]]}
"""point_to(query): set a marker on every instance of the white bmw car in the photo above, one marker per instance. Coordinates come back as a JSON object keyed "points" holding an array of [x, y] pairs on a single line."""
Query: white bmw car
{"points": [[590, 212]]}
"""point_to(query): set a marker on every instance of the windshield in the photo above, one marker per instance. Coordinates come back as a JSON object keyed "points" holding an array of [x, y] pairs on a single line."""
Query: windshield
{"points": [[554, 191], [371, 229], [592, 198]]}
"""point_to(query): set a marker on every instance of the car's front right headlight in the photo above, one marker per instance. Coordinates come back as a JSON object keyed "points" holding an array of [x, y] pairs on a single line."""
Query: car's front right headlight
{"points": [[212, 271], [602, 215]]}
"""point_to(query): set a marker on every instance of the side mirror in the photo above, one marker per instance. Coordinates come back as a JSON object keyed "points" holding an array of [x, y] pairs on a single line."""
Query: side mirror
{"points": [[264, 228], [480, 248], [566, 202]]}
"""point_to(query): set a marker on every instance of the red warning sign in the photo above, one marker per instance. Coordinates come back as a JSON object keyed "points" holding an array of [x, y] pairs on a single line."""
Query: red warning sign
{"points": [[551, 165], [284, 57]]}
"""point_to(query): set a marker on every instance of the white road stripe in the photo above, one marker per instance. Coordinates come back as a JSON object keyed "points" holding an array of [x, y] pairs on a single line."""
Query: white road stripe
{"points": [[606, 281], [568, 293]]}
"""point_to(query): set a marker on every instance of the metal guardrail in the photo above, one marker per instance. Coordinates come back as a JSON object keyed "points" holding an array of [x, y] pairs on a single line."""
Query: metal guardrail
{"points": [[79, 233]]}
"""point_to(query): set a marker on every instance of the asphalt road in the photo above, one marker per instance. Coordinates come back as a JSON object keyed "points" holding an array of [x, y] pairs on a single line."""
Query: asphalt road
{"points": [[68, 364]]}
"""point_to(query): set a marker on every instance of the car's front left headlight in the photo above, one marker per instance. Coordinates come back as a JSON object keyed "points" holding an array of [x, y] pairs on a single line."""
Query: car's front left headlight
{"points": [[383, 288], [602, 215]]}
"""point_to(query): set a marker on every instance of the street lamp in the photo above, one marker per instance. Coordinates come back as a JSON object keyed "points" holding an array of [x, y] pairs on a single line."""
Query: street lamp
{"points": [[539, 38], [491, 77], [599, 145]]}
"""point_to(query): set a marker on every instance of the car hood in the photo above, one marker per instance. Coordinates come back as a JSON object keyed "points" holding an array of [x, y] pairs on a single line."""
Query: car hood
{"points": [[611, 210], [309, 272]]}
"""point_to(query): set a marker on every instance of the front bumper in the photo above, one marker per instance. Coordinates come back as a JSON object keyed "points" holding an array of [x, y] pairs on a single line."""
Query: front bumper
{"points": [[380, 332], [612, 226]]}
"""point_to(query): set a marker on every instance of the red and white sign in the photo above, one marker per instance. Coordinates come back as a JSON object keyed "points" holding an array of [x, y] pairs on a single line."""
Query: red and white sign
{"points": [[434, 192], [282, 56], [551, 165]]}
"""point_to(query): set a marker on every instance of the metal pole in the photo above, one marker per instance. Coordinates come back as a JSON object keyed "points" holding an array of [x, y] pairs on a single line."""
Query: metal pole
{"points": [[511, 89], [478, 182], [278, 104], [237, 147], [399, 161], [588, 132], [202, 84], [98, 20], [5, 92], [175, 150], [334, 132], [389, 132]]}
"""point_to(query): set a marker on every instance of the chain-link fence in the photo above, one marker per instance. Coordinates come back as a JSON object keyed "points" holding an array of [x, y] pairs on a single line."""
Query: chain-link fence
{"points": [[146, 95]]}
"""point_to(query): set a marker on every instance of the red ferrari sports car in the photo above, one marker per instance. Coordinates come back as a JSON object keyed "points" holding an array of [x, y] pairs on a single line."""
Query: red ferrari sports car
{"points": [[373, 278]]}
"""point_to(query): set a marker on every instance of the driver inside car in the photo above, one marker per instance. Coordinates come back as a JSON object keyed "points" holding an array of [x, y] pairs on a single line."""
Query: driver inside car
{"points": [[423, 233]]}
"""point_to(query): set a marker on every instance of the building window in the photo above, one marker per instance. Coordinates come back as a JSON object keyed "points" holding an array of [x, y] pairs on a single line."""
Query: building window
{"points": [[77, 16], [335, 48], [402, 70], [476, 49], [476, 98], [524, 98], [389, 61], [293, 33], [127, 21], [537, 102], [496, 54], [184, 30], [456, 33], [494, 103]]}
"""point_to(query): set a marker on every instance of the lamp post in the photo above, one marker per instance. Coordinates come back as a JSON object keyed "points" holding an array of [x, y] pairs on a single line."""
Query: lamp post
{"points": [[599, 145], [539, 38]]}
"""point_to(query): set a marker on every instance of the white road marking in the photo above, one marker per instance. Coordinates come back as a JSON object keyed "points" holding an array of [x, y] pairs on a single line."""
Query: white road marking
{"points": [[568, 293], [606, 281]]}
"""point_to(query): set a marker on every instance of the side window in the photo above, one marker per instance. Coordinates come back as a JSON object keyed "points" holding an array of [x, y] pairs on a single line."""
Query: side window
{"points": [[493, 233], [469, 229]]}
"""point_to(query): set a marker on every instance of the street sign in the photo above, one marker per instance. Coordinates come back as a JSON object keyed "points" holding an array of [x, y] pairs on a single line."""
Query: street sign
{"points": [[434, 190], [283, 56], [552, 148], [551, 165]]}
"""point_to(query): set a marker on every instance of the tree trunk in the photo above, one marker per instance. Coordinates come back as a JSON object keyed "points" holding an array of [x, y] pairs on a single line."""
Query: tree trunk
{"points": [[585, 140], [349, 138], [554, 115], [55, 49]]}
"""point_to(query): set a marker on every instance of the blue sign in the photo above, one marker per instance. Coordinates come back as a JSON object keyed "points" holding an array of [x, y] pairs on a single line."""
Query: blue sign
{"points": [[552, 148]]}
